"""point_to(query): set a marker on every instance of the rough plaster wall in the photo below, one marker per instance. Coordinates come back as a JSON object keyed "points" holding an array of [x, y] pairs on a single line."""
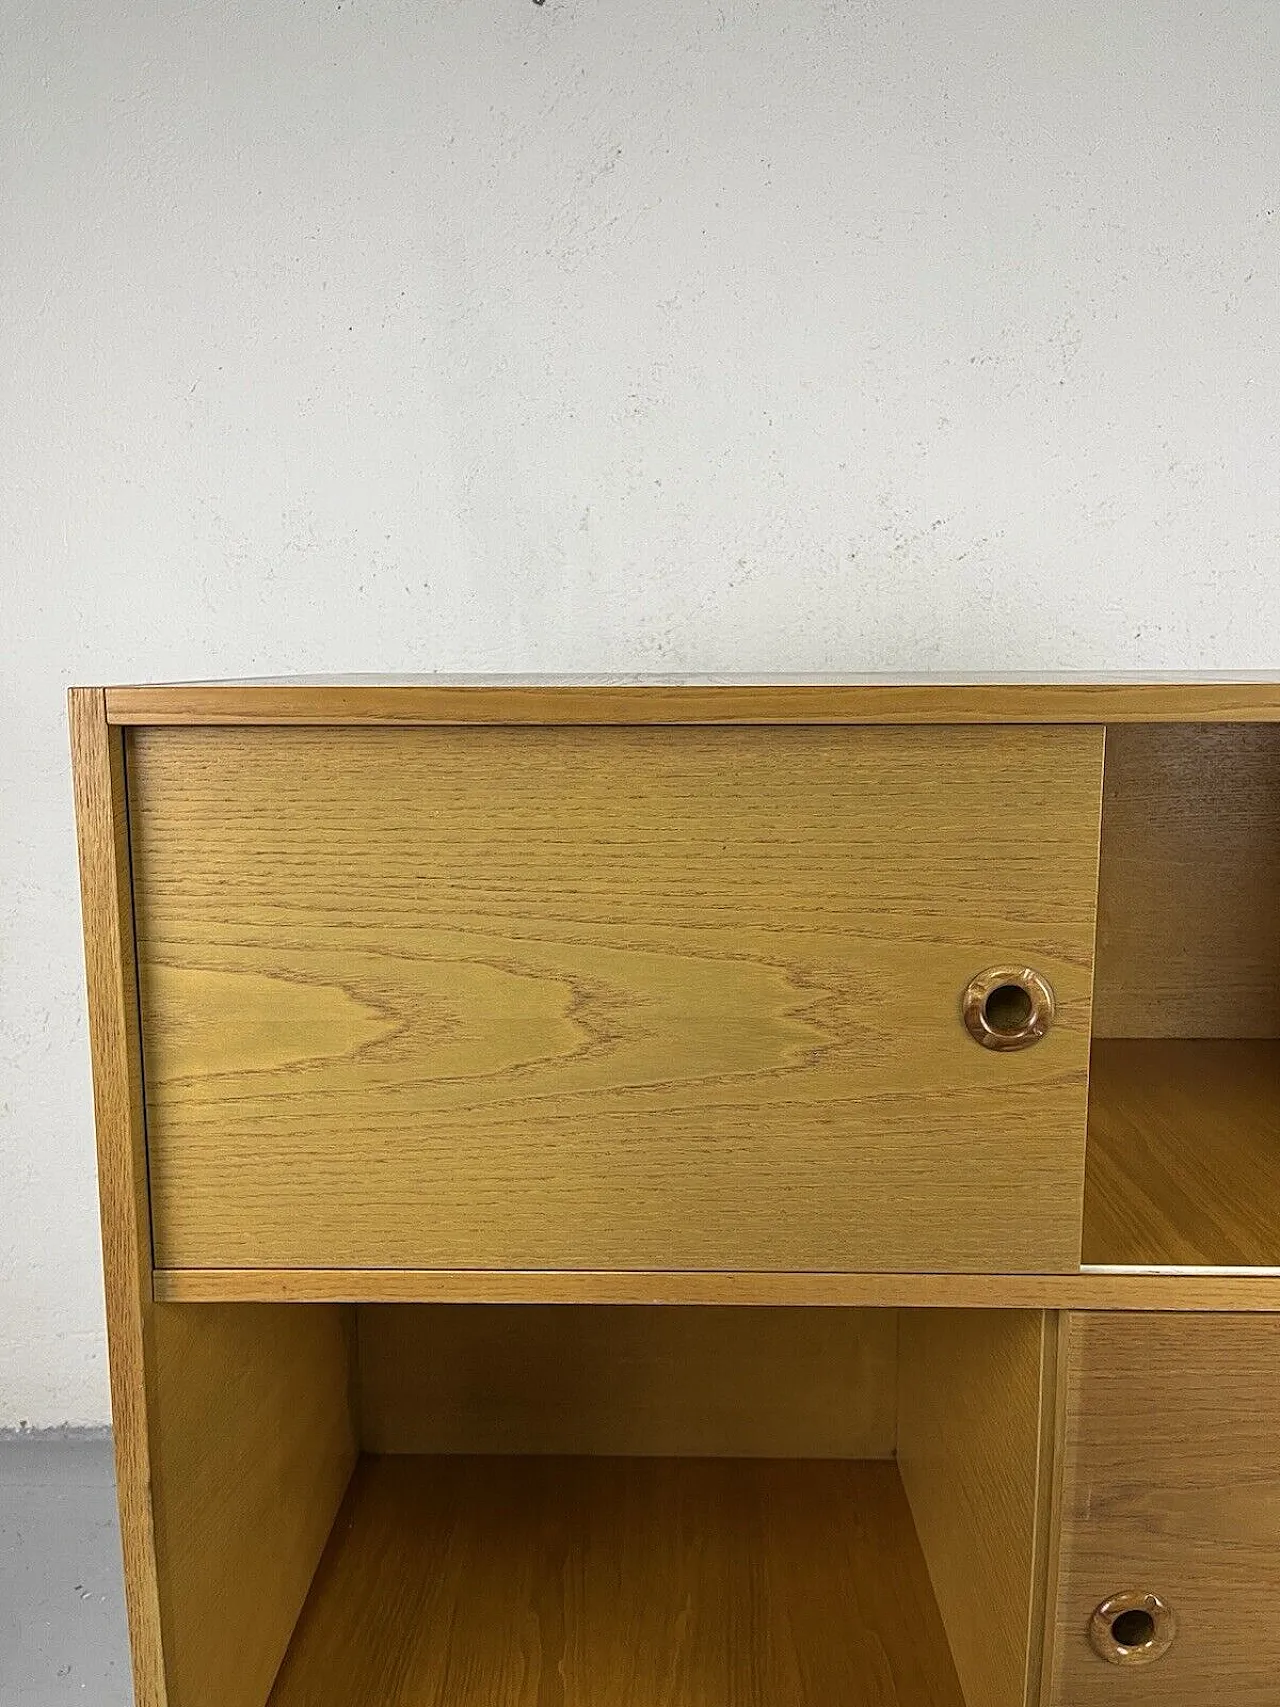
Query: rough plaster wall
{"points": [[469, 334]]}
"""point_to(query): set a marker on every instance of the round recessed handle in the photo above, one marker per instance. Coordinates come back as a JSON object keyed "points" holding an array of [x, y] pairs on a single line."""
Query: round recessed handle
{"points": [[1008, 1007], [1132, 1629]]}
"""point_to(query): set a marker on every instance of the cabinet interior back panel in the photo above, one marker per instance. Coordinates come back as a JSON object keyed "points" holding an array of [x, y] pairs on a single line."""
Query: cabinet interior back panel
{"points": [[1189, 885], [627, 1380]]}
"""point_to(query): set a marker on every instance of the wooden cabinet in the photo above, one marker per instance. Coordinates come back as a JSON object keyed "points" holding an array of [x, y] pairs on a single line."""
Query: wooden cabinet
{"points": [[634, 1193]]}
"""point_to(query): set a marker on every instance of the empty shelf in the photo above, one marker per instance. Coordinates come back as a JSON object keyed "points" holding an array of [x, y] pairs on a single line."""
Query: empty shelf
{"points": [[512, 1582], [1183, 1162]]}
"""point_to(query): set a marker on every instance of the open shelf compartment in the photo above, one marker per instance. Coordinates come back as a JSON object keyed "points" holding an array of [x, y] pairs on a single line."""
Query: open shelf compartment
{"points": [[697, 1507], [1183, 1158]]}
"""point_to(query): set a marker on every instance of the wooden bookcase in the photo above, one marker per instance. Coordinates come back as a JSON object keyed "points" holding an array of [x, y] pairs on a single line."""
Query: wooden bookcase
{"points": [[675, 1194]]}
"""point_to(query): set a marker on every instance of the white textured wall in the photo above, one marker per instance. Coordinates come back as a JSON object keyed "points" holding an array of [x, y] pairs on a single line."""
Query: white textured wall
{"points": [[470, 334]]}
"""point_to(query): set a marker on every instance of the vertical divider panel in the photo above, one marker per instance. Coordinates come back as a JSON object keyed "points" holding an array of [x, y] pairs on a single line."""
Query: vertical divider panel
{"points": [[975, 1448]]}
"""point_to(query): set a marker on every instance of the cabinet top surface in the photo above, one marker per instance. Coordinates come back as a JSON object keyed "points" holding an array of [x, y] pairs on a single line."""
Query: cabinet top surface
{"points": [[659, 699]]}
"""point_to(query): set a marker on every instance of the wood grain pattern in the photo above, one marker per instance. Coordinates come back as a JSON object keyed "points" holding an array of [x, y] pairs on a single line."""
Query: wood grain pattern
{"points": [[621, 1583], [232, 1427], [975, 1454], [1189, 884], [97, 757], [1172, 1485], [619, 1381], [1184, 1153], [610, 998], [1058, 1388], [869, 701], [1094, 1291], [253, 1447]]}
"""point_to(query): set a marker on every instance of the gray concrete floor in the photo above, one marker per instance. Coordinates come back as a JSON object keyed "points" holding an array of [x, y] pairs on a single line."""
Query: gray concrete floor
{"points": [[62, 1630]]}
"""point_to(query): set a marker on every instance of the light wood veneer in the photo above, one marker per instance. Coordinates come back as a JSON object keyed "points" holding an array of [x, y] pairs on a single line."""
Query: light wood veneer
{"points": [[421, 1011], [976, 1402], [875, 700], [613, 998], [613, 1382], [1172, 1486], [621, 1583], [1189, 884], [1184, 1153]]}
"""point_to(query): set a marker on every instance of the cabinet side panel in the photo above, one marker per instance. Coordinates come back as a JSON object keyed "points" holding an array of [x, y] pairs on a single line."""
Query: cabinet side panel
{"points": [[97, 760], [232, 1424], [628, 1380], [974, 1420], [252, 1448]]}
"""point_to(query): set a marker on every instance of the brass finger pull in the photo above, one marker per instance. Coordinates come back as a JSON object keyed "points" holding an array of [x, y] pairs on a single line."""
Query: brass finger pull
{"points": [[1008, 1007], [1132, 1629]]}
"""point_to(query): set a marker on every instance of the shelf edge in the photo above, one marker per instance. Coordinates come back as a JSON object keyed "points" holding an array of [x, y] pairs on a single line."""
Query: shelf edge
{"points": [[1088, 1290]]}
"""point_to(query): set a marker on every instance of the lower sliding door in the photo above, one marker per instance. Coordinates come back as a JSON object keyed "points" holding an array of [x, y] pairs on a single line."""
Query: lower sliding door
{"points": [[1169, 1577]]}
